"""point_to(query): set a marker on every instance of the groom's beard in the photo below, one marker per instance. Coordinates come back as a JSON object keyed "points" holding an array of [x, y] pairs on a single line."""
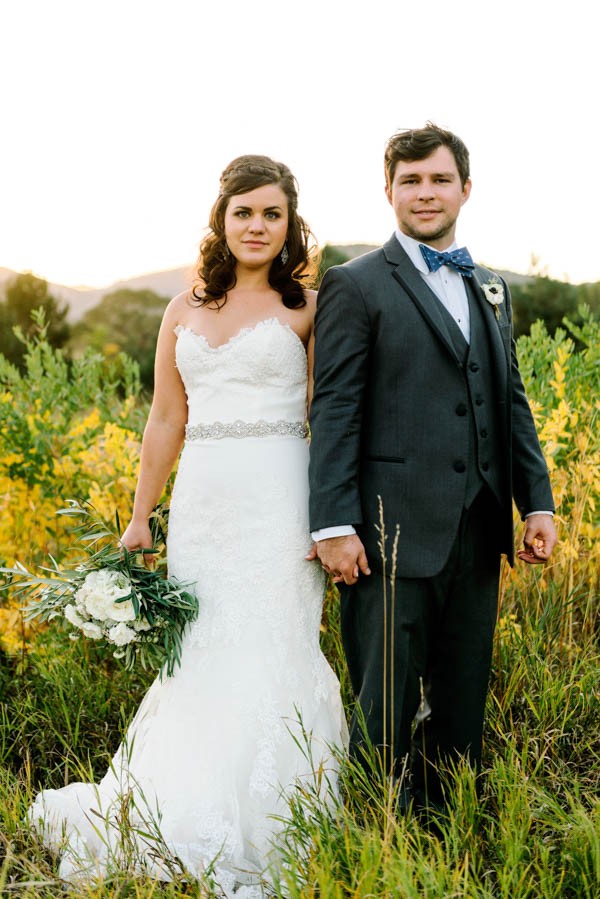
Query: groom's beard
{"points": [[428, 237]]}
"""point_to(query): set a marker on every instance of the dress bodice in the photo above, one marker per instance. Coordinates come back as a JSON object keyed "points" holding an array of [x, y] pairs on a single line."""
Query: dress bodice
{"points": [[259, 374]]}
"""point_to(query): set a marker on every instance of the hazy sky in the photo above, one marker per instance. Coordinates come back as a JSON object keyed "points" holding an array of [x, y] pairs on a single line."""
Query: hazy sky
{"points": [[118, 117]]}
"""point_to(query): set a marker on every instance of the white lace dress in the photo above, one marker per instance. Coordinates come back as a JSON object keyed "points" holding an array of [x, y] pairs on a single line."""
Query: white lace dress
{"points": [[212, 750]]}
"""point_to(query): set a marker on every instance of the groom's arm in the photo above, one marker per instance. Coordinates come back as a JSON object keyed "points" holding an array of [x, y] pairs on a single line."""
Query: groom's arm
{"points": [[342, 339], [531, 481]]}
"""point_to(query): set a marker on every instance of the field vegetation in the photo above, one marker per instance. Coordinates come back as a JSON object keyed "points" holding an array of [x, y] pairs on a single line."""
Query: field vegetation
{"points": [[72, 428]]}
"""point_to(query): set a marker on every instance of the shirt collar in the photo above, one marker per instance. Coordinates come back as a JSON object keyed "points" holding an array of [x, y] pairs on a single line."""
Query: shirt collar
{"points": [[411, 248]]}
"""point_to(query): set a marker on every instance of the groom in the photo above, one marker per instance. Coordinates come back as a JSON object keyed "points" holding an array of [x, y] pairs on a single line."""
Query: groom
{"points": [[419, 415]]}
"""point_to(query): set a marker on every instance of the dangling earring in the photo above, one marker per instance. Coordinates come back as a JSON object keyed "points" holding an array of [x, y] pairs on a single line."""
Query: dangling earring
{"points": [[226, 253], [284, 254]]}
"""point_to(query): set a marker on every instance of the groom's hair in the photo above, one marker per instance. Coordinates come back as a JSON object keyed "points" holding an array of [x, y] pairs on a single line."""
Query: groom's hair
{"points": [[419, 143]]}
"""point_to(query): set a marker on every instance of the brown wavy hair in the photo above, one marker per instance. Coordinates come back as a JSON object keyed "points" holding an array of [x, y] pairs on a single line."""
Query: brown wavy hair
{"points": [[215, 268], [419, 143]]}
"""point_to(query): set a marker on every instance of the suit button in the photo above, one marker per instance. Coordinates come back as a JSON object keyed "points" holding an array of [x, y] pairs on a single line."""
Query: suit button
{"points": [[473, 366], [485, 466], [461, 409], [479, 400], [459, 466], [483, 432]]}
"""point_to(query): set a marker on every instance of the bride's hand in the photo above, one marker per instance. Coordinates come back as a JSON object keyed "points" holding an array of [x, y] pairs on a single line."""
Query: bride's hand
{"points": [[136, 538]]}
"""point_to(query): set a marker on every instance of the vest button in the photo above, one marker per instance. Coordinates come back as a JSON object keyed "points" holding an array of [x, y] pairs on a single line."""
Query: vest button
{"points": [[461, 409], [473, 366], [479, 400], [485, 466], [459, 466], [483, 432]]}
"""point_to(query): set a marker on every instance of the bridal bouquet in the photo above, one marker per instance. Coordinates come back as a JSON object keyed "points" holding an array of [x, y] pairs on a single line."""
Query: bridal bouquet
{"points": [[109, 595]]}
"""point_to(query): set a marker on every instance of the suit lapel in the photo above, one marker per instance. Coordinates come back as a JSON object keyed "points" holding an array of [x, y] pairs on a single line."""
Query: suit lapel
{"points": [[422, 296], [498, 326]]}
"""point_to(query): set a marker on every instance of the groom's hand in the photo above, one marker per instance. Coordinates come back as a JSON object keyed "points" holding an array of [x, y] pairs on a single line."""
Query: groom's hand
{"points": [[539, 540], [344, 558]]}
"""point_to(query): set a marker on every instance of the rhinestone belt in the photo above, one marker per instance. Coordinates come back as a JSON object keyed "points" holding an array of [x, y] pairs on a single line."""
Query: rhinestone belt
{"points": [[219, 429]]}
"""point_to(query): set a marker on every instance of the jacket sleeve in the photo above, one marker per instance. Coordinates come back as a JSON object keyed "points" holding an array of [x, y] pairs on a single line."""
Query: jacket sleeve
{"points": [[342, 340], [530, 480]]}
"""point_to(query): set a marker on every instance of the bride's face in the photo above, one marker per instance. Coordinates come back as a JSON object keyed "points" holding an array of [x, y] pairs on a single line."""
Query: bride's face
{"points": [[256, 225]]}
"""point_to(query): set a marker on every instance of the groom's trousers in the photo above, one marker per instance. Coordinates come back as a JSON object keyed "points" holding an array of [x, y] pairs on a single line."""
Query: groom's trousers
{"points": [[425, 654]]}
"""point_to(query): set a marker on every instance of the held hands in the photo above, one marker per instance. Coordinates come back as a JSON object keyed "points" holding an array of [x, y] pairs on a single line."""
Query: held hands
{"points": [[539, 539], [136, 538], [342, 557]]}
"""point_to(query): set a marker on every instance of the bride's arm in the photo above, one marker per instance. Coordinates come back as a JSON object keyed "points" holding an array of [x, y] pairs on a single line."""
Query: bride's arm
{"points": [[163, 435]]}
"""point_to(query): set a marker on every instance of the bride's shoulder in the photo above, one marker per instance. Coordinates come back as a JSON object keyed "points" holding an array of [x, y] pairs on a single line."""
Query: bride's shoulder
{"points": [[177, 308]]}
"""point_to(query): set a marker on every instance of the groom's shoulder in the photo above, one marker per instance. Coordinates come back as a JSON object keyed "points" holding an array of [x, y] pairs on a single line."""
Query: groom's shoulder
{"points": [[483, 273], [358, 266], [371, 257]]}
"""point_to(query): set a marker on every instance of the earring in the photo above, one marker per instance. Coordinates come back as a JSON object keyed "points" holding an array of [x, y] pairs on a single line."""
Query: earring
{"points": [[284, 254], [226, 254]]}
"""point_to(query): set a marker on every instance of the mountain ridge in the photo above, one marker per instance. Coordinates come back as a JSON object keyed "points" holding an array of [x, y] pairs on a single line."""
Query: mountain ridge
{"points": [[170, 282]]}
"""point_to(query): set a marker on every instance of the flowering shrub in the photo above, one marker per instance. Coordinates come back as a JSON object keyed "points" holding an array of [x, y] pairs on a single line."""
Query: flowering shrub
{"points": [[66, 429], [563, 383], [71, 430]]}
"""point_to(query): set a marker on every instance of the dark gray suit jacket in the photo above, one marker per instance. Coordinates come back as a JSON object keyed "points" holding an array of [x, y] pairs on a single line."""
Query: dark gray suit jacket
{"points": [[383, 416]]}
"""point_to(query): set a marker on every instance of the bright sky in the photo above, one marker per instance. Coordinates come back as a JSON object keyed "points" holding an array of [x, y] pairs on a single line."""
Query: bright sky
{"points": [[119, 115]]}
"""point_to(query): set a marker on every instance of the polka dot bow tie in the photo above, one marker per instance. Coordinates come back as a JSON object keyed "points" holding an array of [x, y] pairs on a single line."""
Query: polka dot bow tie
{"points": [[460, 260]]}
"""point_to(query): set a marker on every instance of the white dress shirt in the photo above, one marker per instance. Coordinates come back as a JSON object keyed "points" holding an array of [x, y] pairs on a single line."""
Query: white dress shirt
{"points": [[447, 284]]}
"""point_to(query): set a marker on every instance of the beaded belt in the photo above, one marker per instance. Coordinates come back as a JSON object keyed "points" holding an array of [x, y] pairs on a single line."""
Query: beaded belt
{"points": [[219, 429]]}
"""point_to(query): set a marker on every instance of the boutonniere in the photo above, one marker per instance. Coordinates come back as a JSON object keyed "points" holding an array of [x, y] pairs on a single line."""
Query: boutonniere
{"points": [[494, 294]]}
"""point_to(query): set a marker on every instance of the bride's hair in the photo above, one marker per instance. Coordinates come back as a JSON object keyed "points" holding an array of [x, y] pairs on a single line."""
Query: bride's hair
{"points": [[215, 268]]}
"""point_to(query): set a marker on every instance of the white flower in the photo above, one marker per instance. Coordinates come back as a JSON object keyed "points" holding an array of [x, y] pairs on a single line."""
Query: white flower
{"points": [[494, 294], [142, 624], [99, 593], [94, 631], [120, 634], [72, 615]]}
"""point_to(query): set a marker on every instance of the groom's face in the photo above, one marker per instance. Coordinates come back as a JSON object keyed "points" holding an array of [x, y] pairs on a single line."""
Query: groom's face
{"points": [[427, 196]]}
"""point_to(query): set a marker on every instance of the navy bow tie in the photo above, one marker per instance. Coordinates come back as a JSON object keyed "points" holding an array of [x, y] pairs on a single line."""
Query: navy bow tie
{"points": [[460, 260]]}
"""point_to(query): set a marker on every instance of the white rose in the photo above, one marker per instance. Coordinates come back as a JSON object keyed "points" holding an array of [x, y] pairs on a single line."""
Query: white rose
{"points": [[99, 592], [120, 634], [94, 631], [72, 615], [122, 611]]}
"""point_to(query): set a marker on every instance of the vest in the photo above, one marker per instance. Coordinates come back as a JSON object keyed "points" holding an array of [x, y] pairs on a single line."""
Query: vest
{"points": [[481, 411]]}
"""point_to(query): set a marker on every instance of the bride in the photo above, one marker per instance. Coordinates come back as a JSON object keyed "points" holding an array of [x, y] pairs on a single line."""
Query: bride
{"points": [[203, 773]]}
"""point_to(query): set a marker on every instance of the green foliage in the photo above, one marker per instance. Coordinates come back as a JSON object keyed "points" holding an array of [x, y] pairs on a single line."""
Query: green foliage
{"points": [[124, 321], [330, 256], [538, 353], [549, 300], [42, 400], [24, 294], [531, 831]]}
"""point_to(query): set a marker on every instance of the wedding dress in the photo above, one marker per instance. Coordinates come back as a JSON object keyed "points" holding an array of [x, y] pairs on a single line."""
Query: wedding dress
{"points": [[254, 707]]}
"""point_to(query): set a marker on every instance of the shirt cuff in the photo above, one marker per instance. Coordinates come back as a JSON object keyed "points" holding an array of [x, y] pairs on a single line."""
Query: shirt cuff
{"points": [[539, 512], [339, 530]]}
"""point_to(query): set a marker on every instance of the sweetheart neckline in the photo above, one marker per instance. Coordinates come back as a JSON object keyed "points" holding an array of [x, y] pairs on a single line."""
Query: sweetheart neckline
{"points": [[243, 332]]}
